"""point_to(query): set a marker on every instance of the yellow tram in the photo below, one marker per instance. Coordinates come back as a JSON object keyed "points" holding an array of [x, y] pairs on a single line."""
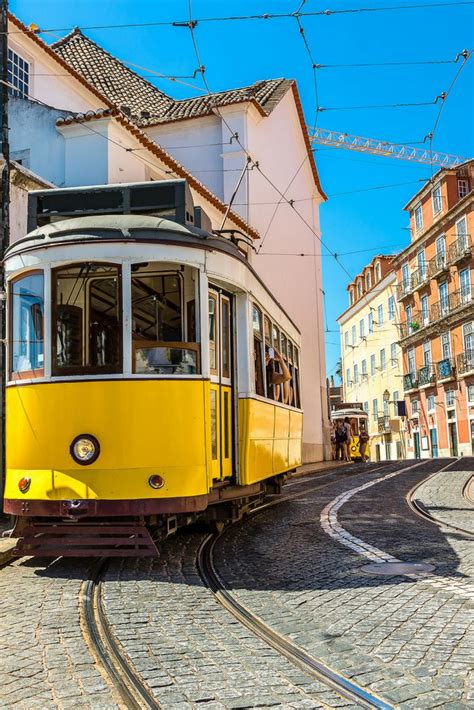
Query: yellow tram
{"points": [[144, 373], [359, 420]]}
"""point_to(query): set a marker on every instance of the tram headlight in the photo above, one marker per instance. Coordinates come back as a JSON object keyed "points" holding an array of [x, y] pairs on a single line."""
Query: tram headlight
{"points": [[85, 449], [24, 484]]}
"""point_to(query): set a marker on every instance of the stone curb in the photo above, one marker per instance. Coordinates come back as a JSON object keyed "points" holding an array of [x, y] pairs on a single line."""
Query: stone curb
{"points": [[321, 467], [6, 550]]}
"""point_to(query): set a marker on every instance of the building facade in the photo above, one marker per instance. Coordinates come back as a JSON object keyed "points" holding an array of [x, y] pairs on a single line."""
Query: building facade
{"points": [[436, 331], [371, 357], [82, 117]]}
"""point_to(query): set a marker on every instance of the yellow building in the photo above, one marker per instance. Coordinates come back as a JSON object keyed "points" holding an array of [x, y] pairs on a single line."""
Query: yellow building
{"points": [[372, 370]]}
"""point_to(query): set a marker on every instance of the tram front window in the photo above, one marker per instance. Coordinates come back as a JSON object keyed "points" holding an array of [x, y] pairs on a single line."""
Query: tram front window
{"points": [[87, 329], [162, 341], [27, 339]]}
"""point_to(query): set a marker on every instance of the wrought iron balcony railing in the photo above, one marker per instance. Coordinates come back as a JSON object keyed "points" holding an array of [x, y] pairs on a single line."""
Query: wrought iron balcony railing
{"points": [[450, 303], [459, 249], [419, 277], [383, 423], [410, 382], [412, 325], [404, 289], [426, 375], [465, 362], [437, 265], [445, 369]]}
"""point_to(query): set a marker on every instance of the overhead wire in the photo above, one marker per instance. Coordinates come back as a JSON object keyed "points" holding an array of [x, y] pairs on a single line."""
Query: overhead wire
{"points": [[263, 16]]}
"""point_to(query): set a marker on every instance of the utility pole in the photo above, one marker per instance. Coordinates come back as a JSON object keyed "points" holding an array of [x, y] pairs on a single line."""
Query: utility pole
{"points": [[4, 224]]}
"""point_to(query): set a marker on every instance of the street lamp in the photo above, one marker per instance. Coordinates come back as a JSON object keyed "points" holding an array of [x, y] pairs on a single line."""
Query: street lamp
{"points": [[386, 396]]}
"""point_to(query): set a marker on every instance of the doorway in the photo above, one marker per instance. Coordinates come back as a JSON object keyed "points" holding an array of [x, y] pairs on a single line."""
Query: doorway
{"points": [[221, 389], [453, 439], [434, 443], [416, 444]]}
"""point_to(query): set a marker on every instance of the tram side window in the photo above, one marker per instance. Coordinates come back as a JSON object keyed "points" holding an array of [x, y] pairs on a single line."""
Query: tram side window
{"points": [[87, 327], [158, 342], [296, 378], [27, 333], [258, 351]]}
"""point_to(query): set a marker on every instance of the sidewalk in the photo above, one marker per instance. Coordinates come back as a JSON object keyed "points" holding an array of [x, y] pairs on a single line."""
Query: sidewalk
{"points": [[6, 543], [317, 467]]}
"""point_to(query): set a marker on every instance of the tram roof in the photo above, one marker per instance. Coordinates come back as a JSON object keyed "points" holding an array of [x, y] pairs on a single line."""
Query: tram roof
{"points": [[123, 227], [341, 413]]}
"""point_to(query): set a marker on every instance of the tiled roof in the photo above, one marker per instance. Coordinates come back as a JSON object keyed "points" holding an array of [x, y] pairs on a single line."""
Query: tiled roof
{"points": [[159, 152], [120, 85], [264, 94], [123, 87]]}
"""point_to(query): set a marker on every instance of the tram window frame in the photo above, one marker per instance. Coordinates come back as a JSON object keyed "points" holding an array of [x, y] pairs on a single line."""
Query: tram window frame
{"points": [[259, 352], [213, 341], [34, 372], [226, 336], [171, 357], [83, 337], [296, 378]]}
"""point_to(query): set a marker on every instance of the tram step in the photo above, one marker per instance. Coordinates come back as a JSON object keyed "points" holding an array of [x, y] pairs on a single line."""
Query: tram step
{"points": [[85, 540]]}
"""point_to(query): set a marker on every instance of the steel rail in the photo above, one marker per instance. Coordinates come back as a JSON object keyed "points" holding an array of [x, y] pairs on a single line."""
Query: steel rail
{"points": [[283, 645], [297, 655], [419, 509], [133, 691], [466, 491]]}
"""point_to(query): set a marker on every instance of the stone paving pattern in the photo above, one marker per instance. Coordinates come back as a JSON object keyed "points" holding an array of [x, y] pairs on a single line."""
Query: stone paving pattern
{"points": [[404, 639], [190, 651], [442, 496], [45, 662]]}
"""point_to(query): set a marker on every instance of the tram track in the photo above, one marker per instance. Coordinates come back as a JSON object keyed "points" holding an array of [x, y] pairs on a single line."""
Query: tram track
{"points": [[313, 667], [417, 506], [130, 687]]}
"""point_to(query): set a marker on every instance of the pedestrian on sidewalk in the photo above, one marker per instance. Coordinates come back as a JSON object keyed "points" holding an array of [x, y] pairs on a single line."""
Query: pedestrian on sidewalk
{"points": [[364, 439]]}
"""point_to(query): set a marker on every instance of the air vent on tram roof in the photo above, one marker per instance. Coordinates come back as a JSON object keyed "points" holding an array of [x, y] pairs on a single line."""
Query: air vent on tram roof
{"points": [[170, 199]]}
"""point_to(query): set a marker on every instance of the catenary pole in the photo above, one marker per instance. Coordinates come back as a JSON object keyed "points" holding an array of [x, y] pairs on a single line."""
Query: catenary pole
{"points": [[4, 223]]}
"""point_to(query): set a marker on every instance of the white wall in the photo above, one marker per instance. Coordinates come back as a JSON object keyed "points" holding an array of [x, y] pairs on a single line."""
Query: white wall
{"points": [[196, 145], [85, 154], [277, 143]]}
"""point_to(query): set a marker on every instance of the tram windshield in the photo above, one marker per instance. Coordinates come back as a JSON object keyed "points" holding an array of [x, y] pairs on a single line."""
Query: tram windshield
{"points": [[87, 319], [163, 331], [27, 306]]}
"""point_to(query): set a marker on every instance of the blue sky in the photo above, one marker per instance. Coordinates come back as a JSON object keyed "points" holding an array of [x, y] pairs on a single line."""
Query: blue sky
{"points": [[357, 222]]}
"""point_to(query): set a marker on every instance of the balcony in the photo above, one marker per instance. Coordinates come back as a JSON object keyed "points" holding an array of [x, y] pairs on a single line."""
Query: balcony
{"points": [[419, 278], [426, 376], [437, 266], [409, 327], [465, 363], [452, 302], [384, 424], [445, 369], [410, 382], [404, 289], [459, 250]]}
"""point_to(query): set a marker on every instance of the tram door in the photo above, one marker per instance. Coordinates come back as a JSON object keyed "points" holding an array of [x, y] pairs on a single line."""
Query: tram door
{"points": [[220, 354]]}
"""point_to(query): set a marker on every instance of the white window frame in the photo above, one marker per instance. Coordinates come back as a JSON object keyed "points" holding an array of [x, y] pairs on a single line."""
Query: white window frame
{"points": [[368, 280], [393, 354], [468, 386], [453, 404], [418, 217], [425, 312], [383, 360], [466, 183], [428, 398], [445, 339], [373, 366], [378, 272], [19, 73], [391, 307], [380, 315], [436, 198], [353, 334], [346, 340]]}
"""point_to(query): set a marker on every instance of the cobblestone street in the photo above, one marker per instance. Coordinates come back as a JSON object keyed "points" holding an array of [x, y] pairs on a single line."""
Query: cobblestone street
{"points": [[299, 566]]}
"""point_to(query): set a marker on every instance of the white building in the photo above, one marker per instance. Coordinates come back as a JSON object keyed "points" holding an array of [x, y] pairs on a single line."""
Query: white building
{"points": [[108, 125]]}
